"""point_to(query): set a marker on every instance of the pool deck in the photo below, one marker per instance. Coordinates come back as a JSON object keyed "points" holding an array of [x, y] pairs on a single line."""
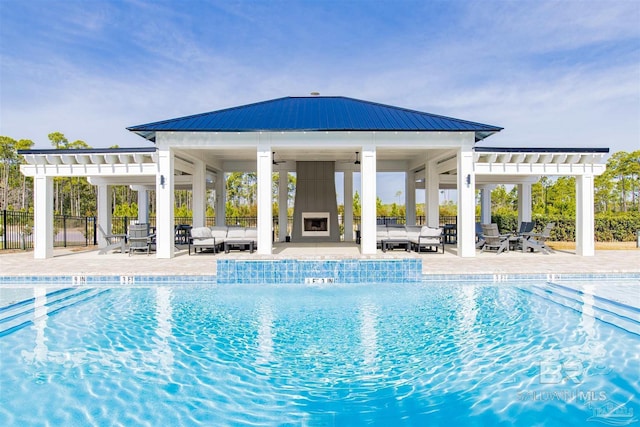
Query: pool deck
{"points": [[86, 261]]}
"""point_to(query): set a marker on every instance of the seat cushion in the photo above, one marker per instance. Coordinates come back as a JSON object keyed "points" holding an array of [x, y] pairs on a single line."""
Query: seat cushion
{"points": [[219, 232], [235, 233], [199, 233]]}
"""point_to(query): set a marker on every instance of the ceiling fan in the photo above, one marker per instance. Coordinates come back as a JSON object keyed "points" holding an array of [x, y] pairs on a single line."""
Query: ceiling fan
{"points": [[274, 159]]}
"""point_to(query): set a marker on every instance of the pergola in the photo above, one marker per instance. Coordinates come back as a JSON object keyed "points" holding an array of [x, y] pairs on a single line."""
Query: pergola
{"points": [[196, 151]]}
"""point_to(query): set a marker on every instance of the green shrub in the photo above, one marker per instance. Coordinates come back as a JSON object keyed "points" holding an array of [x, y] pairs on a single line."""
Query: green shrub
{"points": [[608, 227]]}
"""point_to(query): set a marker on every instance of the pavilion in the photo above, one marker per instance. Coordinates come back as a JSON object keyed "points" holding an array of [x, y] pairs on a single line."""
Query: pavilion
{"points": [[315, 137]]}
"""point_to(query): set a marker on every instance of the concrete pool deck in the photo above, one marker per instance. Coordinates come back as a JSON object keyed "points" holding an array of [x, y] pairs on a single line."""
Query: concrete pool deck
{"points": [[86, 261]]}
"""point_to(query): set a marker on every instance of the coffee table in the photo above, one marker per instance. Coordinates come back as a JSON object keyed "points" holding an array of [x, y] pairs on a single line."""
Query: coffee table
{"points": [[239, 243], [393, 242]]}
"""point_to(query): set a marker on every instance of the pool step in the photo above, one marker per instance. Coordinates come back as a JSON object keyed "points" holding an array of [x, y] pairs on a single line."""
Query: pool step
{"points": [[23, 313], [606, 310]]}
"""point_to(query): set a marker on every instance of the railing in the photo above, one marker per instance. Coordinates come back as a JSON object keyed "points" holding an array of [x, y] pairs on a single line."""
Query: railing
{"points": [[16, 228]]}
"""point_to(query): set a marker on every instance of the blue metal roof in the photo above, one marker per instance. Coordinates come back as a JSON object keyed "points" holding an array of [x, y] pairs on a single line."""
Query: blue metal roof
{"points": [[314, 113]]}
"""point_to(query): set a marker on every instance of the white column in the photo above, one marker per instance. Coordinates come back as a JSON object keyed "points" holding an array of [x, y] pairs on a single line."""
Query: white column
{"points": [[485, 204], [585, 239], [348, 205], [283, 204], [143, 203], [432, 194], [368, 179], [410, 198], [104, 212], [524, 202], [264, 199], [165, 236], [466, 201], [43, 217], [221, 199], [199, 193]]}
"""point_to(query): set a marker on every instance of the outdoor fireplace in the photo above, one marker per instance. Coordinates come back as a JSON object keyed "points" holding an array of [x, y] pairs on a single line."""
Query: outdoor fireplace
{"points": [[316, 224]]}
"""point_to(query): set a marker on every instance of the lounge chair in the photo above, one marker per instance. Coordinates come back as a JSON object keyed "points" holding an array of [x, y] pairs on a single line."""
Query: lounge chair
{"points": [[494, 240], [428, 239], [536, 242], [113, 241], [202, 238], [139, 238], [479, 236]]}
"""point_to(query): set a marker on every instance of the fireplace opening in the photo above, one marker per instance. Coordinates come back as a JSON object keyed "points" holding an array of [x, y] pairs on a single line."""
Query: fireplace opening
{"points": [[315, 224]]}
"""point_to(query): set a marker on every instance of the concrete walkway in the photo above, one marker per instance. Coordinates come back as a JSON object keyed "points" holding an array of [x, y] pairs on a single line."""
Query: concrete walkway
{"points": [[83, 261]]}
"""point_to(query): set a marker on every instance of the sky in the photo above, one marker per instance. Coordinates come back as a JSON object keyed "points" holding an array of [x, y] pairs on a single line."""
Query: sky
{"points": [[551, 73]]}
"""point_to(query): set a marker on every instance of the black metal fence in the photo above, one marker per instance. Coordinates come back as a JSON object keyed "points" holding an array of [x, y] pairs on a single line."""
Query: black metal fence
{"points": [[16, 228]]}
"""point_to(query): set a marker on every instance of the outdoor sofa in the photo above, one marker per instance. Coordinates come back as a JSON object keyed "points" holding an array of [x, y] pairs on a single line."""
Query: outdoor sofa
{"points": [[225, 238], [410, 237]]}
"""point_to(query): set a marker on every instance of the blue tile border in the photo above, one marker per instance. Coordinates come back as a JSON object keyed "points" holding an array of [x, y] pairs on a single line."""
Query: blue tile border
{"points": [[290, 271]]}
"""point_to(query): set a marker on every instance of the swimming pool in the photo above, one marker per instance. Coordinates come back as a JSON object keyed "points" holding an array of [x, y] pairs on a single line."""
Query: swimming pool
{"points": [[317, 355]]}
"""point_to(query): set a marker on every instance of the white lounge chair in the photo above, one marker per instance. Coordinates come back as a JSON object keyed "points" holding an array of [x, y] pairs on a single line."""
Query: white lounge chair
{"points": [[139, 238], [494, 240], [429, 239], [536, 242], [113, 241]]}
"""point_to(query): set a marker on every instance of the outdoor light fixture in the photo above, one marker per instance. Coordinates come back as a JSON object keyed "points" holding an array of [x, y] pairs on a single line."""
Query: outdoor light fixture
{"points": [[357, 162], [162, 181], [468, 180]]}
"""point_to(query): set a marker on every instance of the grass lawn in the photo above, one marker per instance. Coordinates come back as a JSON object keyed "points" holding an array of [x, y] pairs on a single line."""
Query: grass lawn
{"points": [[600, 246]]}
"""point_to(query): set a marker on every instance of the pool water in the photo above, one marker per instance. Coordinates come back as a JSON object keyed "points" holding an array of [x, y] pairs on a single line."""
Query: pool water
{"points": [[316, 355]]}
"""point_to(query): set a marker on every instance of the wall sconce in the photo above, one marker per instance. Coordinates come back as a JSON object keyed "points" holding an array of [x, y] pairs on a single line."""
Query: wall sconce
{"points": [[162, 181], [468, 180]]}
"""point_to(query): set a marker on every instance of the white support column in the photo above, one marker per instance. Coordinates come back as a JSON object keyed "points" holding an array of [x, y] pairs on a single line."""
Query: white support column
{"points": [[283, 204], [221, 199], [348, 206], [199, 193], [466, 202], [43, 217], [264, 199], [585, 238], [104, 212], [165, 235], [432, 194], [410, 198], [368, 220], [143, 203], [524, 202], [485, 204]]}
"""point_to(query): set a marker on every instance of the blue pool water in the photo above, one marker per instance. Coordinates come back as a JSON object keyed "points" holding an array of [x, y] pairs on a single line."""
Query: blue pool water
{"points": [[317, 355]]}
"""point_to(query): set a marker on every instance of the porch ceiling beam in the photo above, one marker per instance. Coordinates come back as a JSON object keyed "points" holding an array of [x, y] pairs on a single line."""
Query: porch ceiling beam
{"points": [[137, 180], [538, 168], [89, 170]]}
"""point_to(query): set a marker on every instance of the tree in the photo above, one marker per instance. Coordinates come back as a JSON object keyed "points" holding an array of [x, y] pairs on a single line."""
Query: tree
{"points": [[13, 183]]}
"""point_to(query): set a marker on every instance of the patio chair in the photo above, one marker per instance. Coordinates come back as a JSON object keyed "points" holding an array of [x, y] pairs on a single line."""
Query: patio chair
{"points": [[494, 240], [536, 242], [429, 239], [139, 238], [114, 241], [479, 236], [202, 238]]}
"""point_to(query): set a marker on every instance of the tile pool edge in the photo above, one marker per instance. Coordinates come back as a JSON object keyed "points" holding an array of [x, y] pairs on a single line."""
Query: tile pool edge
{"points": [[97, 279]]}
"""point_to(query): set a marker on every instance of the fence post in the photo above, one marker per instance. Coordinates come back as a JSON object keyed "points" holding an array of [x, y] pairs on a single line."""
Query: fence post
{"points": [[64, 230], [4, 229]]}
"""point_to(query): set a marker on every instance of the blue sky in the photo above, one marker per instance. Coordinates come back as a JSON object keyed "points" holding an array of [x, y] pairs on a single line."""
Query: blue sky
{"points": [[559, 73]]}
